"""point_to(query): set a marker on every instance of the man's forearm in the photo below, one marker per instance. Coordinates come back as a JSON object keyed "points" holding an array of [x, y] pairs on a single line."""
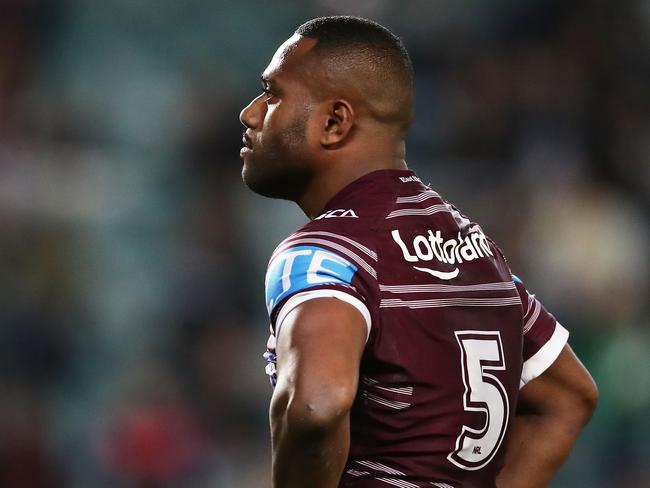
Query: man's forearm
{"points": [[552, 409], [538, 446], [310, 441], [309, 455]]}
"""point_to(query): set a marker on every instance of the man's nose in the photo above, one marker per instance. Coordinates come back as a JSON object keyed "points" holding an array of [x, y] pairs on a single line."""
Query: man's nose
{"points": [[251, 115]]}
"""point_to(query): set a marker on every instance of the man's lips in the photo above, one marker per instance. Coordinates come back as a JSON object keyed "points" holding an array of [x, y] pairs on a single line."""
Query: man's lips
{"points": [[246, 140]]}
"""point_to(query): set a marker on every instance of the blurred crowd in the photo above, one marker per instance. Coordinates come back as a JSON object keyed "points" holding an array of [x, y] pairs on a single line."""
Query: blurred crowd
{"points": [[132, 257]]}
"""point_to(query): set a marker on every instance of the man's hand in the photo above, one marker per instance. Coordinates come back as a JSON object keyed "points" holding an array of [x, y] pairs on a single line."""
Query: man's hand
{"points": [[551, 411], [318, 350]]}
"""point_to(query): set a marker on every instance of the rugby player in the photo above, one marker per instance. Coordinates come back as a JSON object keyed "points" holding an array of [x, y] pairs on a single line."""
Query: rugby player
{"points": [[403, 351]]}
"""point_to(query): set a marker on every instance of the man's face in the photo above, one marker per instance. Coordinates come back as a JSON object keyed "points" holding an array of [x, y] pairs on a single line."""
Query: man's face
{"points": [[276, 153]]}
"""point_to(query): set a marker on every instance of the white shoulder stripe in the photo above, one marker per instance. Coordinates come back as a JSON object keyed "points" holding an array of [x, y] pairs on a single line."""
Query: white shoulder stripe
{"points": [[529, 306], [321, 242], [533, 317], [356, 244], [433, 209], [420, 197]]}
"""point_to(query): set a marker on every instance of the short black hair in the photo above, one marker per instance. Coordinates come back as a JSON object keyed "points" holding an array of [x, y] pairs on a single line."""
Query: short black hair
{"points": [[347, 31], [355, 42]]}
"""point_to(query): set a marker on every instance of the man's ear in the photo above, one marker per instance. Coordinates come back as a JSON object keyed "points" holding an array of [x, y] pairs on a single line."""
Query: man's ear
{"points": [[338, 124]]}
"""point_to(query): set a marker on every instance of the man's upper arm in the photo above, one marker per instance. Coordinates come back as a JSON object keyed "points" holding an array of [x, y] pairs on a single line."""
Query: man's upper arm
{"points": [[319, 350], [553, 379], [310, 266], [565, 385], [543, 337]]}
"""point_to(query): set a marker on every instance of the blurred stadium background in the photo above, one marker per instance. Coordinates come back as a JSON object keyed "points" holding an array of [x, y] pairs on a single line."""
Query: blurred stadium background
{"points": [[132, 319]]}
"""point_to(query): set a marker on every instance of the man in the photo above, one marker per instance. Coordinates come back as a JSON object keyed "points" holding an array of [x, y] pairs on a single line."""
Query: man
{"points": [[407, 353]]}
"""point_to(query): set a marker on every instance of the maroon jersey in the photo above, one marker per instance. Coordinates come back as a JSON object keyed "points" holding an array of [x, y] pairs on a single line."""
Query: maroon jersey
{"points": [[452, 335]]}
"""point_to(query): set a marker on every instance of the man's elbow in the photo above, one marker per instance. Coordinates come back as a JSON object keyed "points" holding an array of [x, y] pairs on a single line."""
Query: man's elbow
{"points": [[578, 401], [317, 411], [588, 395]]}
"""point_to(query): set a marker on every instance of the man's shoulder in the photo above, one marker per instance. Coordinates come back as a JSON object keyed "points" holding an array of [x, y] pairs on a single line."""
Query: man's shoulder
{"points": [[346, 226], [358, 215], [347, 237], [321, 254]]}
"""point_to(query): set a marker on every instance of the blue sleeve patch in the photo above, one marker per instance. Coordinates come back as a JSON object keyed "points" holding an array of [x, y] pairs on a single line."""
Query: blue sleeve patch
{"points": [[302, 267], [517, 279]]}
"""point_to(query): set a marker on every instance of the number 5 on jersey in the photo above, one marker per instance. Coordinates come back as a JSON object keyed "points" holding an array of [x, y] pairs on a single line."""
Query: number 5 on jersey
{"points": [[481, 352]]}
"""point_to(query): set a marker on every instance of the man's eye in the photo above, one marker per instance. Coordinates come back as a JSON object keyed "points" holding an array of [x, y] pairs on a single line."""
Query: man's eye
{"points": [[268, 95]]}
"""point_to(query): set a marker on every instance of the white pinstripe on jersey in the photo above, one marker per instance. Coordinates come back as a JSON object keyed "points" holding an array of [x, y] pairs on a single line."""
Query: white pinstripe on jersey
{"points": [[380, 467], [384, 401], [397, 482], [433, 209], [359, 246], [449, 302], [322, 242], [533, 314], [435, 288], [420, 197]]}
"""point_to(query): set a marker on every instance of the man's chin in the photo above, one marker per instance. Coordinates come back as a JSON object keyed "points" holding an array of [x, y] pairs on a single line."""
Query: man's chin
{"points": [[266, 187]]}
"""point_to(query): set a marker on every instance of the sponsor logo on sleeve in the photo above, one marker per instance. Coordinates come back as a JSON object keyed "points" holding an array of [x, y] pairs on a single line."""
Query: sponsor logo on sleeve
{"points": [[447, 251], [303, 267]]}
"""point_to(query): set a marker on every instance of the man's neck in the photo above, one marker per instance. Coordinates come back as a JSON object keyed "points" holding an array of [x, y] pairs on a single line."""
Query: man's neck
{"points": [[328, 183]]}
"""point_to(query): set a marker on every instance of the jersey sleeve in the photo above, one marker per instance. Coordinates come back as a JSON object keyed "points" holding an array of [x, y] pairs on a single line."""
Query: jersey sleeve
{"points": [[543, 336], [317, 264]]}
